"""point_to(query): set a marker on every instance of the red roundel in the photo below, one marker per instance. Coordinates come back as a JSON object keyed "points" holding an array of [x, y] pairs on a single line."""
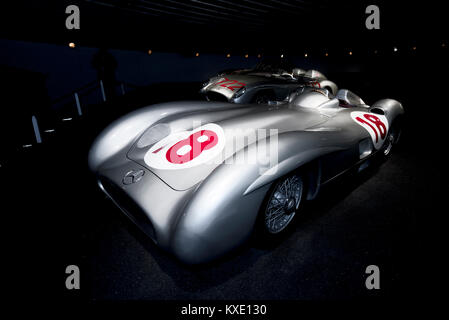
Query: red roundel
{"points": [[187, 149], [191, 147]]}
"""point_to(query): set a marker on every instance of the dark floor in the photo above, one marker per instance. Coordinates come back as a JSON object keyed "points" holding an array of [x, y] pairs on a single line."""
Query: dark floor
{"points": [[356, 222], [54, 215]]}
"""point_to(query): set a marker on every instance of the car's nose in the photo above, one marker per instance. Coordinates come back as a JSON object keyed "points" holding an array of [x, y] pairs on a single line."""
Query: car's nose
{"points": [[148, 201]]}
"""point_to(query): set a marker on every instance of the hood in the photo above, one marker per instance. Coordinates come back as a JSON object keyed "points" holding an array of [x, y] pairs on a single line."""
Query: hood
{"points": [[183, 149]]}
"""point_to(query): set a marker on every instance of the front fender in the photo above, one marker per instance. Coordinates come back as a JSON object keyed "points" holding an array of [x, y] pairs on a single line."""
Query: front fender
{"points": [[224, 208]]}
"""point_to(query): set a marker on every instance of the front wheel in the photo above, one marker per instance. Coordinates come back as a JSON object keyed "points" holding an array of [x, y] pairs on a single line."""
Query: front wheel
{"points": [[282, 204]]}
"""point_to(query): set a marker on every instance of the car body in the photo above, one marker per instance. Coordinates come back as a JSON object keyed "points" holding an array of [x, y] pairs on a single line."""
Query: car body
{"points": [[202, 205], [262, 85]]}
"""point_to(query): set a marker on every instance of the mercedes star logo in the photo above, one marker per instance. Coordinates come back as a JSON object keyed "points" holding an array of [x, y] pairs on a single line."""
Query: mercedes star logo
{"points": [[133, 176]]}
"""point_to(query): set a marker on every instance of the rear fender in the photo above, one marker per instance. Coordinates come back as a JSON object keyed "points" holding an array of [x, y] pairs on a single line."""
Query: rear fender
{"points": [[329, 84], [391, 108]]}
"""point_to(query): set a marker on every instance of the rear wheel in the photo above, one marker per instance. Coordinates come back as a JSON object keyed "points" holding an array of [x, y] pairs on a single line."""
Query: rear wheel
{"points": [[388, 145], [392, 138], [282, 204]]}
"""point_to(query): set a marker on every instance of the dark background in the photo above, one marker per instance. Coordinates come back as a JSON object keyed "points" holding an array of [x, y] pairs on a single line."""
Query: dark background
{"points": [[54, 215]]}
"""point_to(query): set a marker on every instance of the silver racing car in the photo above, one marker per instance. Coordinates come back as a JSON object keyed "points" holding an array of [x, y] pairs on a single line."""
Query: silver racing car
{"points": [[199, 177], [262, 84]]}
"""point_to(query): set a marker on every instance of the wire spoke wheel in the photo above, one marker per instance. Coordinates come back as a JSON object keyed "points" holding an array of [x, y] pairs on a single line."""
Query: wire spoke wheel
{"points": [[392, 138], [283, 203], [388, 144]]}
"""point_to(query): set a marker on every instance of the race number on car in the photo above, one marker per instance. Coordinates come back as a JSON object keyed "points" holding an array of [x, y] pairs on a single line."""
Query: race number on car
{"points": [[187, 149], [230, 84], [375, 124]]}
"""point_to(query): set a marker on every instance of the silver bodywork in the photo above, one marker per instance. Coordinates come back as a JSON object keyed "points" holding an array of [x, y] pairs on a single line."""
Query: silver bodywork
{"points": [[245, 86], [200, 212]]}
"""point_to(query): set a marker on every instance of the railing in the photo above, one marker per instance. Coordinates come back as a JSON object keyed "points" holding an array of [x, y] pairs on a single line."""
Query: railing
{"points": [[74, 104], [63, 110]]}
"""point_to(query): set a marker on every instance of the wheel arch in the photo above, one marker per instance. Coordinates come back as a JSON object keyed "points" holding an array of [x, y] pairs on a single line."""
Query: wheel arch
{"points": [[392, 109], [303, 151], [329, 84]]}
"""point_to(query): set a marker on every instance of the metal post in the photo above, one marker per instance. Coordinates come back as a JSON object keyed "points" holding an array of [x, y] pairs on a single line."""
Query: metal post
{"points": [[78, 105], [102, 90], [122, 86], [36, 129]]}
